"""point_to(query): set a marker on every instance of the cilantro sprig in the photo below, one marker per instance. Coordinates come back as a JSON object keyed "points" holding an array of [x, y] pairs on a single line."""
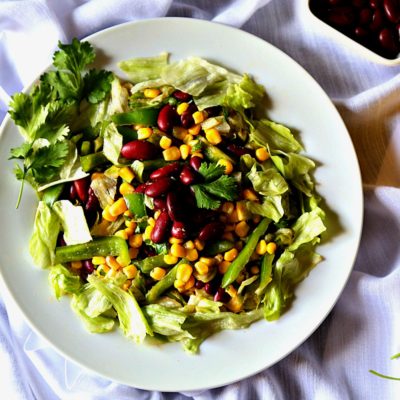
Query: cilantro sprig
{"points": [[44, 116], [216, 186]]}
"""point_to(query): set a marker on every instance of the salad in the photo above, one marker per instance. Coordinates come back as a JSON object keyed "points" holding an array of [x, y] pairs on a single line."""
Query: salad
{"points": [[169, 205]]}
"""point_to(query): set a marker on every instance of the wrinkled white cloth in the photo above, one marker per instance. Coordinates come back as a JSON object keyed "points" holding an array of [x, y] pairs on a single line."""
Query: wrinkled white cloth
{"points": [[363, 330]]}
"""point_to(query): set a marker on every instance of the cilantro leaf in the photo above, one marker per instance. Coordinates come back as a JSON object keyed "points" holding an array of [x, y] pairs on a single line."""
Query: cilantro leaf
{"points": [[211, 171], [20, 152], [203, 199], [97, 83], [224, 187]]}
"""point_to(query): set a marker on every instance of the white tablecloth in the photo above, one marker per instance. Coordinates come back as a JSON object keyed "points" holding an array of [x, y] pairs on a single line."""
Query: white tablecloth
{"points": [[363, 330]]}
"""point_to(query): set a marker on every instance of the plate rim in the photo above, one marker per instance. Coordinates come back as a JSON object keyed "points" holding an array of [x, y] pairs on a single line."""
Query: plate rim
{"points": [[7, 120]]}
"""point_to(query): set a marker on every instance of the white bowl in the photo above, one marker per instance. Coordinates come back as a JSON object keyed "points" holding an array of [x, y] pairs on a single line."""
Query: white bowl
{"points": [[341, 38]]}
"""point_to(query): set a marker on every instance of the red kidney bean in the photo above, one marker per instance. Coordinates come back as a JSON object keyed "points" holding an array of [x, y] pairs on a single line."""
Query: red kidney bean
{"points": [[92, 203], [141, 188], [139, 150], [160, 204], [195, 162], [388, 41], [174, 207], [181, 96], [392, 10], [360, 32], [167, 118], [209, 288], [341, 16], [199, 285], [377, 20], [187, 176], [365, 16], [238, 150], [375, 3], [221, 296], [159, 187], [161, 228], [186, 118], [178, 230], [88, 266], [335, 3], [358, 3], [168, 170], [82, 188], [72, 195], [212, 230]]}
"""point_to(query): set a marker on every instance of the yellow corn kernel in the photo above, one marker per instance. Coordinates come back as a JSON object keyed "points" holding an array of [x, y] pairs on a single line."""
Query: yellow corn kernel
{"points": [[122, 262], [201, 268], [255, 270], [242, 211], [130, 271], [189, 245], [136, 240], [179, 284], [256, 218], [227, 164], [198, 117], [199, 244], [97, 175], [127, 174], [127, 214], [179, 132], [228, 236], [230, 255], [213, 136], [158, 273], [197, 154], [126, 285], [262, 154], [102, 269], [126, 188], [144, 133], [229, 228], [184, 150], [181, 108], [112, 262], [210, 261], [189, 284], [192, 254], [178, 250], [129, 231], [138, 126], [261, 248], [165, 142], [97, 260], [173, 240], [76, 264], [172, 154], [188, 139], [107, 216], [231, 290], [130, 224], [249, 194], [233, 216], [242, 229], [118, 207], [111, 273], [235, 304], [170, 259], [147, 232], [227, 207], [151, 222], [157, 214], [271, 247], [223, 266], [195, 129], [184, 272], [133, 252], [122, 234], [151, 93]]}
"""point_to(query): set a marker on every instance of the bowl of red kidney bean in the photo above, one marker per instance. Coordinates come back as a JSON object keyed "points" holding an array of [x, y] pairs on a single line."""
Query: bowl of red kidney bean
{"points": [[372, 27]]}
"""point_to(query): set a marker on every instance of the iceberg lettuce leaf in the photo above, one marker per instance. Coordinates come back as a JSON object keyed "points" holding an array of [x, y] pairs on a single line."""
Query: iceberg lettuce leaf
{"points": [[63, 281]]}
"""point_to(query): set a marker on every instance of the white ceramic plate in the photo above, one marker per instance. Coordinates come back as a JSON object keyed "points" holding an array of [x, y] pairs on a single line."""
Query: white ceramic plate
{"points": [[297, 101]]}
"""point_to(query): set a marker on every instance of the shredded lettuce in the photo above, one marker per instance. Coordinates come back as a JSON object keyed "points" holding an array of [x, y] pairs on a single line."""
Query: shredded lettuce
{"points": [[112, 142], [74, 223], [44, 237], [63, 281], [268, 182]]}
